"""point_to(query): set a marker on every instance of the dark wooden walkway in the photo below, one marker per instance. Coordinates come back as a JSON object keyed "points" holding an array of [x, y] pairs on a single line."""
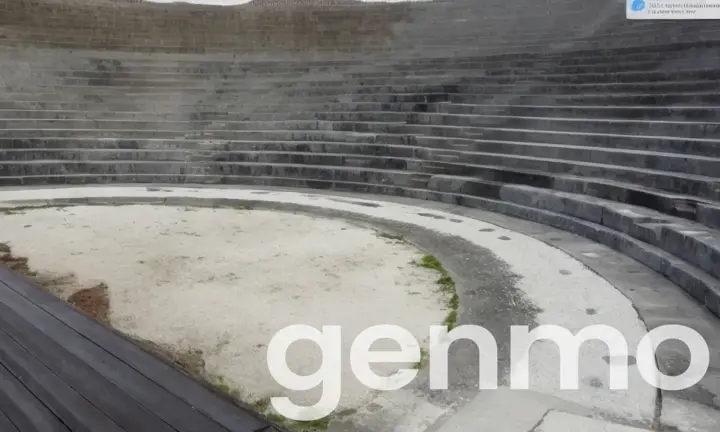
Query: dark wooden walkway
{"points": [[62, 371]]}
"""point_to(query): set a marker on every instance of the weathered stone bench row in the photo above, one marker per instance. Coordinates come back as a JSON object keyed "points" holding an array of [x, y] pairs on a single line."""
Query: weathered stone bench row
{"points": [[365, 180], [658, 144], [300, 89], [102, 80], [104, 62], [110, 66], [14, 110], [482, 165], [440, 124], [226, 93], [309, 153], [633, 143], [233, 73], [690, 241], [151, 102]]}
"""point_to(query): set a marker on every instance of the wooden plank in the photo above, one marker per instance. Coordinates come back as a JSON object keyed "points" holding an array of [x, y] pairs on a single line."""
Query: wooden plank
{"points": [[5, 424], [120, 407], [195, 394], [73, 410], [23, 409], [172, 410]]}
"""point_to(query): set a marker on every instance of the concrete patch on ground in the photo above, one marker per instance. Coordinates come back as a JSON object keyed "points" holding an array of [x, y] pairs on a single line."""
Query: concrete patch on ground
{"points": [[562, 422], [401, 410], [499, 411], [687, 416]]}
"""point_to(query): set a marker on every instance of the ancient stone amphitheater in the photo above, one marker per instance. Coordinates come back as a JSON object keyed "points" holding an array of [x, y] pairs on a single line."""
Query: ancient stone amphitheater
{"points": [[557, 112]]}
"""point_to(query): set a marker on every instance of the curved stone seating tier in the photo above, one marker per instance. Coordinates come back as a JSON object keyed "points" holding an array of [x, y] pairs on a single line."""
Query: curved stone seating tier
{"points": [[563, 113]]}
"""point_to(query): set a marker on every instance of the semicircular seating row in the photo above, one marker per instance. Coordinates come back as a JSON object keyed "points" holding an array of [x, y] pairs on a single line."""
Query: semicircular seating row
{"points": [[573, 116]]}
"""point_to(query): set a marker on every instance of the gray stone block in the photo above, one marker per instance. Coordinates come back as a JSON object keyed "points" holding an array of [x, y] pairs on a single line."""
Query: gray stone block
{"points": [[709, 215]]}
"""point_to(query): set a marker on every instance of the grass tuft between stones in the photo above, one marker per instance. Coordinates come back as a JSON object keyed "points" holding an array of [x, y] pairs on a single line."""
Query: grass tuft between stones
{"points": [[446, 286], [424, 359]]}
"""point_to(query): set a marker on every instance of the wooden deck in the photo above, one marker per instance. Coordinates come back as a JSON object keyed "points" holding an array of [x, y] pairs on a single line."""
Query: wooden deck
{"points": [[62, 371]]}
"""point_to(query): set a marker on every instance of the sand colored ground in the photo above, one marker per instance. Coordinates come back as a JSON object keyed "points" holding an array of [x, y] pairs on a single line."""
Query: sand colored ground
{"points": [[223, 281]]}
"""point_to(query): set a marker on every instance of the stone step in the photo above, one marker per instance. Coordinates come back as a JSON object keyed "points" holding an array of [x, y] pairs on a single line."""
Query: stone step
{"points": [[584, 97], [308, 154], [556, 421], [607, 67], [352, 70], [310, 88], [130, 107], [544, 171], [647, 112], [106, 80], [9, 127], [67, 172], [625, 54], [478, 151], [693, 242], [647, 148], [83, 67], [684, 206], [690, 129], [230, 130], [427, 147], [671, 145], [95, 61], [172, 140], [528, 67], [14, 110], [180, 149], [471, 126], [209, 82], [210, 113], [130, 102], [697, 283], [568, 57], [515, 168], [322, 156]]}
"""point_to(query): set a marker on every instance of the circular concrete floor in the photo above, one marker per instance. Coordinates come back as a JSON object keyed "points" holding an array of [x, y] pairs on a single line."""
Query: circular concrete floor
{"points": [[224, 281], [503, 278]]}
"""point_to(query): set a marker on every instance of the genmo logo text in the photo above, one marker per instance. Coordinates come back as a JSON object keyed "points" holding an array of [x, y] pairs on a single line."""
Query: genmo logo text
{"points": [[329, 338]]}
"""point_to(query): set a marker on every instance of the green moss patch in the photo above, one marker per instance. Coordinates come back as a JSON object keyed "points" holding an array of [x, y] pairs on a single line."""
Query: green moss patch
{"points": [[446, 286]]}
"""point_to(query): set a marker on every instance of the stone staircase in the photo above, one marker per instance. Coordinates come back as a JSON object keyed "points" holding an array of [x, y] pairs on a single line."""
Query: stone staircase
{"points": [[556, 111]]}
